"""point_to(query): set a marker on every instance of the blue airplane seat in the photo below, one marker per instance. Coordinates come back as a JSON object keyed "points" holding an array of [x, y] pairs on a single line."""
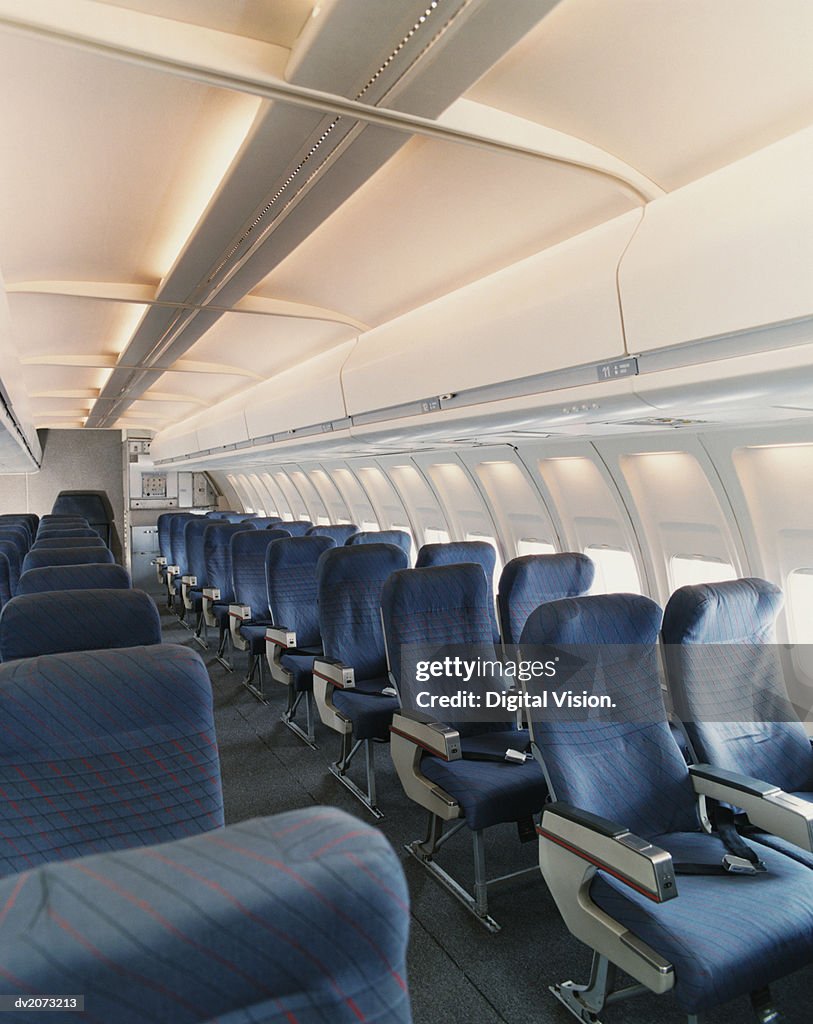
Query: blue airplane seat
{"points": [[77, 620], [727, 683], [194, 579], [300, 917], [5, 579], [340, 532], [218, 594], [56, 532], [18, 534], [66, 556], [176, 566], [74, 577], [297, 527], [531, 580], [399, 537], [453, 553], [27, 523], [105, 750], [249, 614], [662, 905], [9, 548], [265, 522], [163, 557], [472, 771], [68, 541], [353, 692], [294, 639]]}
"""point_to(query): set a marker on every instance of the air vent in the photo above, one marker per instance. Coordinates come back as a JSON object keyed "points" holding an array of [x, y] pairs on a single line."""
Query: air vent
{"points": [[661, 421]]}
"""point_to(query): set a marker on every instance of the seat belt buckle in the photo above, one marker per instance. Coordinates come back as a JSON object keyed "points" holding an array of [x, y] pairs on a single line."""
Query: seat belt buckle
{"points": [[738, 865], [515, 756]]}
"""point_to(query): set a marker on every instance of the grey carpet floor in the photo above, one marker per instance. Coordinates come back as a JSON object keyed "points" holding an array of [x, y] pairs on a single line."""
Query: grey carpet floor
{"points": [[458, 972]]}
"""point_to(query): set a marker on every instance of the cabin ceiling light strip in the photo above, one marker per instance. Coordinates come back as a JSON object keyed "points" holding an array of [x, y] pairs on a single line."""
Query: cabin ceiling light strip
{"points": [[314, 149], [271, 88]]}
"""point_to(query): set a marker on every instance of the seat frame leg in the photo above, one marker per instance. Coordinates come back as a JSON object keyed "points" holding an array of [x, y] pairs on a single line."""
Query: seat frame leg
{"points": [[764, 1010], [586, 1002], [255, 663], [308, 734], [222, 648], [340, 767], [200, 636]]}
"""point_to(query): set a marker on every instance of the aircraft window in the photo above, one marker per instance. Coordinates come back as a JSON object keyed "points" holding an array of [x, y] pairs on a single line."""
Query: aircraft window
{"points": [[689, 570], [535, 547], [370, 526], [435, 536], [616, 572], [322, 521], [800, 606]]}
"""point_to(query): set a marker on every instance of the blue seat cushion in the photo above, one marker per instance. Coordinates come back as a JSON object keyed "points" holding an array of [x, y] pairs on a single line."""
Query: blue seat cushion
{"points": [[369, 711], [254, 633], [724, 934], [300, 665], [490, 792]]}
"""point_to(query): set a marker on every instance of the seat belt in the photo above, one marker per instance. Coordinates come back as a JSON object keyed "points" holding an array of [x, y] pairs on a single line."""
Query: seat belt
{"points": [[741, 858]]}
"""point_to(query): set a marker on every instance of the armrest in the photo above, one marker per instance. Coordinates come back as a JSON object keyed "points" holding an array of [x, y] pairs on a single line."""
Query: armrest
{"points": [[433, 736], [611, 847], [159, 560], [240, 611], [281, 636], [212, 593], [189, 581], [767, 806], [173, 570], [335, 673]]}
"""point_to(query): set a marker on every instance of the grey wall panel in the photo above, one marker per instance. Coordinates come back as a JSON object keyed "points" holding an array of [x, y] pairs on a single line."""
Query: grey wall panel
{"points": [[72, 460]]}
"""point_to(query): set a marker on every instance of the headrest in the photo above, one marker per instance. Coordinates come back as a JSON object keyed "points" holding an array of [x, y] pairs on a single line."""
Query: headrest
{"points": [[360, 562], [77, 620], [68, 542], [340, 532], [403, 540], [250, 543], [65, 556], [601, 619], [531, 580], [297, 527], [736, 611], [263, 522], [457, 551], [294, 553], [445, 604], [74, 577]]}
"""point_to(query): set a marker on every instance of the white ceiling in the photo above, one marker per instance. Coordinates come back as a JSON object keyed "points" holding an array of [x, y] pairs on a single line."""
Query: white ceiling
{"points": [[111, 169]]}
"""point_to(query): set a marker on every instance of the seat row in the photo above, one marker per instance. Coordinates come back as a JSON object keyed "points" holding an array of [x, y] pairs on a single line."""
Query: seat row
{"points": [[117, 875]]}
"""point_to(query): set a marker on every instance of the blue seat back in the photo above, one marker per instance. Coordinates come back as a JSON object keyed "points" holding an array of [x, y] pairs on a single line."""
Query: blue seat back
{"points": [[428, 609], [105, 750], [56, 532], [479, 552], [398, 537], [68, 542], [74, 577], [9, 548], [622, 764], [350, 581], [65, 556], [221, 514], [727, 683], [297, 527], [194, 532], [5, 579], [290, 567], [19, 536], [266, 522], [163, 524], [177, 540], [29, 523], [531, 580], [77, 620], [237, 517], [217, 555], [340, 532], [248, 550]]}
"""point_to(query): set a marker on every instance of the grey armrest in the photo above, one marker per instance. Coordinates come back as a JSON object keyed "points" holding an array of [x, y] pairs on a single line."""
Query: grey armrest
{"points": [[189, 581], [767, 806], [281, 636], [211, 593], [433, 736], [611, 847], [335, 673]]}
